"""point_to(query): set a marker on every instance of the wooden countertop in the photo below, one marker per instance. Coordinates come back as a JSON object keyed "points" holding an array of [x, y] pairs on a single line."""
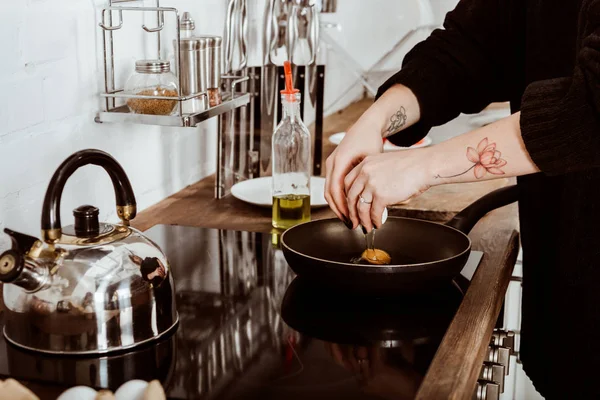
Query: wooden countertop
{"points": [[458, 361]]}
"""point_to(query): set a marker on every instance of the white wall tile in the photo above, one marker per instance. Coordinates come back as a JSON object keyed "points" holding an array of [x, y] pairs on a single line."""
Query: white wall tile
{"points": [[11, 23], [21, 104], [49, 31], [59, 101]]}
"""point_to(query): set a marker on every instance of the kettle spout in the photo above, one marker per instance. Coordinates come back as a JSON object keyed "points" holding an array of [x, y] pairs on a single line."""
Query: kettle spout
{"points": [[17, 268], [20, 241]]}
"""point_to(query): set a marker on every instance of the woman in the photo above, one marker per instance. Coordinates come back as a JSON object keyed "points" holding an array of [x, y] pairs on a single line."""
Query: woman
{"points": [[152, 269], [543, 57]]}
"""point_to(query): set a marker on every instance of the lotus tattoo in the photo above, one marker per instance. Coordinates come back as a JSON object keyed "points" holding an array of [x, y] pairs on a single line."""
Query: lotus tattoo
{"points": [[486, 160]]}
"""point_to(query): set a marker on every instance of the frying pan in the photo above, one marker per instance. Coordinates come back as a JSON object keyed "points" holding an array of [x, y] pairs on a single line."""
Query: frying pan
{"points": [[424, 253]]}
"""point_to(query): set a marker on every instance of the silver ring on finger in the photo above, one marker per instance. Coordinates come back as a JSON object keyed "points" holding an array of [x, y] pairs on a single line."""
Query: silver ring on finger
{"points": [[362, 200]]}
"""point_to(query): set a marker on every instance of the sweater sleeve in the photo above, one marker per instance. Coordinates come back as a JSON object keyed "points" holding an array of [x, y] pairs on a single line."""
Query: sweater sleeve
{"points": [[463, 67], [560, 118]]}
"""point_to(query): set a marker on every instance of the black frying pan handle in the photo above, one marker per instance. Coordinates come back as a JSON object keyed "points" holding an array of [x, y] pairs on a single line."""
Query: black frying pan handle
{"points": [[465, 220]]}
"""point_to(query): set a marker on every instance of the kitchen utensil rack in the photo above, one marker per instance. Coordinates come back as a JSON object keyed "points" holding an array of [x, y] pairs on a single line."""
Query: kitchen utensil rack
{"points": [[120, 113]]}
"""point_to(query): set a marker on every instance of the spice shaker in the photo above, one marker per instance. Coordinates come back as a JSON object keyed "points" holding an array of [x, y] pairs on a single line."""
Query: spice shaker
{"points": [[152, 78], [186, 26], [186, 30], [193, 79], [213, 51]]}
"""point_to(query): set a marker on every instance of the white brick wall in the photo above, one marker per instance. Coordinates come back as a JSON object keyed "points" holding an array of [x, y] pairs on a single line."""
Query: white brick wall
{"points": [[50, 77]]}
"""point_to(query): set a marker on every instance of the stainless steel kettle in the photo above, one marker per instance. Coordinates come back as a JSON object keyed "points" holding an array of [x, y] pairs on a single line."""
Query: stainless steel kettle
{"points": [[91, 287]]}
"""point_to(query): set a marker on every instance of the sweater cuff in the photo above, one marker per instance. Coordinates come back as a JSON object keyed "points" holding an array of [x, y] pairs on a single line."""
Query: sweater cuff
{"points": [[540, 111], [414, 79]]}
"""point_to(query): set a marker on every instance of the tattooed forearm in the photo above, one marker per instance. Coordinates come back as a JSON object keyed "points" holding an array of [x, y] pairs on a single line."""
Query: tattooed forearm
{"points": [[485, 158], [397, 121]]}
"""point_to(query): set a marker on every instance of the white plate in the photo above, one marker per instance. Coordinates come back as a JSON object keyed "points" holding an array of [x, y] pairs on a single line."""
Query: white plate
{"points": [[336, 139], [258, 192]]}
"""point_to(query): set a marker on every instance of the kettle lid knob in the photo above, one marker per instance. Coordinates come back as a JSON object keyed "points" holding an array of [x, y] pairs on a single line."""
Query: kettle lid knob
{"points": [[86, 221]]}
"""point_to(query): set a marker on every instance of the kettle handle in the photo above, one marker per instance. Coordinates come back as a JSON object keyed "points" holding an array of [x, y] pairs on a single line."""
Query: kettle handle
{"points": [[126, 205]]}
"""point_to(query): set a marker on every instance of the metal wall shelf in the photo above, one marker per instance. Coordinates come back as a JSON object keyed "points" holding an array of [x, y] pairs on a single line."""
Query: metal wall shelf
{"points": [[113, 111], [122, 114]]}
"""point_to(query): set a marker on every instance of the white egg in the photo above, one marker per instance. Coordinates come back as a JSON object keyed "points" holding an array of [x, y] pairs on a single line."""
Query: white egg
{"points": [[384, 218], [132, 390], [78, 393]]}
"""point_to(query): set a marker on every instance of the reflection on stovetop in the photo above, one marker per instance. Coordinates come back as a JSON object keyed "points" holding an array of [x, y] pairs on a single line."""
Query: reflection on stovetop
{"points": [[249, 330]]}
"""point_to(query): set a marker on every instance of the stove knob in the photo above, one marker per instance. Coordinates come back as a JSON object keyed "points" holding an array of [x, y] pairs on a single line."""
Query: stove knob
{"points": [[493, 373], [499, 355], [504, 339], [486, 391]]}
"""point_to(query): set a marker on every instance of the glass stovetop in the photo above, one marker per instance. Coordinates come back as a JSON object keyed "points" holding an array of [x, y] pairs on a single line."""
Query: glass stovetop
{"points": [[250, 330]]}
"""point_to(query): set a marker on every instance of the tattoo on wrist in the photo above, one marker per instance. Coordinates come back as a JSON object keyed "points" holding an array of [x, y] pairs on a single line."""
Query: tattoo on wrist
{"points": [[486, 160], [397, 121]]}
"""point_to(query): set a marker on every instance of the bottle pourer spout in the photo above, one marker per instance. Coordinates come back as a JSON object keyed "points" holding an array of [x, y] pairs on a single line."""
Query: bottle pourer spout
{"points": [[289, 91]]}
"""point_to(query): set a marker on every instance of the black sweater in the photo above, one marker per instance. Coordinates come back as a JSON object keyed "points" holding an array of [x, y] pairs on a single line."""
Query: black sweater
{"points": [[544, 57]]}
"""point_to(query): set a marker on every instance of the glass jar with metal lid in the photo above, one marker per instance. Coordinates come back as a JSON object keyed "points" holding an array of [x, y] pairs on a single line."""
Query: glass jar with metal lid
{"points": [[152, 78]]}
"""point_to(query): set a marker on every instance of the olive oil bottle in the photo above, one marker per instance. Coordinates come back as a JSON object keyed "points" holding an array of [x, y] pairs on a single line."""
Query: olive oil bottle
{"points": [[291, 158]]}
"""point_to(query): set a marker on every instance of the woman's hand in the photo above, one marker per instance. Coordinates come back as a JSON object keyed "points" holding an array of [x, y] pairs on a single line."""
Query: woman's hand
{"points": [[385, 179], [394, 111], [362, 140]]}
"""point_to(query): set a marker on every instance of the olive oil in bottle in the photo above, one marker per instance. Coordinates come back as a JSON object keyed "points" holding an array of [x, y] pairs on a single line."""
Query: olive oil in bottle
{"points": [[291, 157], [289, 210]]}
